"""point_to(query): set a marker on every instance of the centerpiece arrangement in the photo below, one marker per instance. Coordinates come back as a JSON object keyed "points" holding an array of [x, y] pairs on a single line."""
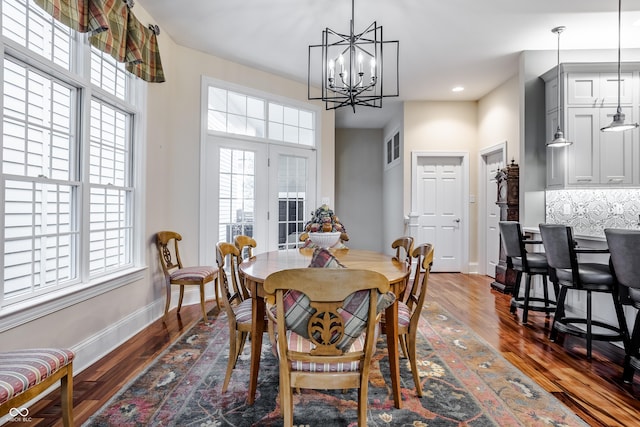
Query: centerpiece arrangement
{"points": [[324, 228]]}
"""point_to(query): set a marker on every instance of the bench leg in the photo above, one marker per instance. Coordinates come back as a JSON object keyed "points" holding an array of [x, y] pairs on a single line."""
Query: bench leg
{"points": [[66, 396]]}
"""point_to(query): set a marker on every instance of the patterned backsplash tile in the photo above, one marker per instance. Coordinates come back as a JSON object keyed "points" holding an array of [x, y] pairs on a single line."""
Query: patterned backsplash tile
{"points": [[589, 212]]}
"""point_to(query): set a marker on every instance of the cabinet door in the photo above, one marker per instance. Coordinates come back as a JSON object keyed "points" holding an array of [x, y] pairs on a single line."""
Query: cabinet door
{"points": [[583, 128], [609, 89], [616, 150], [598, 89], [583, 88]]}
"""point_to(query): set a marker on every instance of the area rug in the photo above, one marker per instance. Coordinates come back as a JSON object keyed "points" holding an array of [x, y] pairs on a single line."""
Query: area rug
{"points": [[465, 383]]}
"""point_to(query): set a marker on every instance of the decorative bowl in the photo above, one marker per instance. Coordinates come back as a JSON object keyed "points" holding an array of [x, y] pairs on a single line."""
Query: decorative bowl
{"points": [[325, 240]]}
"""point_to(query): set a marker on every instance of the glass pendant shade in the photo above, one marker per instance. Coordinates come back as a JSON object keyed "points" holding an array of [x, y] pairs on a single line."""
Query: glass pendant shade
{"points": [[558, 139]]}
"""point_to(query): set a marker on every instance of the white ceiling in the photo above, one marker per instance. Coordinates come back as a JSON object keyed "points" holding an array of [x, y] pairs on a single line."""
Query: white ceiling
{"points": [[472, 43]]}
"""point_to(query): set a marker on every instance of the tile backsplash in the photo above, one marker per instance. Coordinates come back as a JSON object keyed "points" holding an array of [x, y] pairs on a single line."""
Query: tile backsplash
{"points": [[589, 212]]}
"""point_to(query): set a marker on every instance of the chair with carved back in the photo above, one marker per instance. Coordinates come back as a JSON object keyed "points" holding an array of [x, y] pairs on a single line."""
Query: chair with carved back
{"points": [[175, 273], [326, 351], [245, 245], [236, 307], [409, 312]]}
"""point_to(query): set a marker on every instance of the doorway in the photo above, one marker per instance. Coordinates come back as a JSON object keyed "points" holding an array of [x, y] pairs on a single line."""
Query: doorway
{"points": [[258, 189], [492, 160], [440, 211]]}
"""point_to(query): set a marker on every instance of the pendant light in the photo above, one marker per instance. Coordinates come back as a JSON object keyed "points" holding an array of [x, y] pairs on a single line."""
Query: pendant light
{"points": [[558, 138], [618, 124]]}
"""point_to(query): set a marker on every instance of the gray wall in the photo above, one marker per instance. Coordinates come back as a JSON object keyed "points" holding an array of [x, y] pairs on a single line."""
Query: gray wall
{"points": [[359, 193]]}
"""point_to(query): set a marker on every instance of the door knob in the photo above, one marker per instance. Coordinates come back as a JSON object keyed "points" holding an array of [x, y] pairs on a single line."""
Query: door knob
{"points": [[457, 220]]}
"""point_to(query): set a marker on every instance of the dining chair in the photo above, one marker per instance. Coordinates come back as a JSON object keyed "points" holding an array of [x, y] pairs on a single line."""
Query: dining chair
{"points": [[624, 247], [245, 245], [403, 247], [409, 312], [177, 274], [587, 277], [530, 263], [237, 308], [334, 350]]}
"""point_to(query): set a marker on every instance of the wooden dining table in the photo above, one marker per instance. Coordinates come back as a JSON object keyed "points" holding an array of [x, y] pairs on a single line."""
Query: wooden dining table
{"points": [[257, 268]]}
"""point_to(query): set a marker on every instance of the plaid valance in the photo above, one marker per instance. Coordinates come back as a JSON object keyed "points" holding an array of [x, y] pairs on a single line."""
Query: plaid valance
{"points": [[145, 42], [113, 29], [80, 15]]}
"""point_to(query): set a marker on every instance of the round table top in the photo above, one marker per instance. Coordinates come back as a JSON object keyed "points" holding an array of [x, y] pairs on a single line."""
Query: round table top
{"points": [[261, 265]]}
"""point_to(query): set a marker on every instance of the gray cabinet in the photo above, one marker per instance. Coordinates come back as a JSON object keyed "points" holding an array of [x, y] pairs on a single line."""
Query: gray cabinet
{"points": [[588, 102]]}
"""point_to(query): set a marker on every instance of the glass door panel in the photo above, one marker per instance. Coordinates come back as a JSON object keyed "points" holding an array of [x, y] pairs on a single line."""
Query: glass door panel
{"points": [[292, 185]]}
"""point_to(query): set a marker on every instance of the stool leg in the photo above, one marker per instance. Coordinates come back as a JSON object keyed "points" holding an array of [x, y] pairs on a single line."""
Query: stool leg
{"points": [[546, 293], [559, 313], [589, 324], [527, 291], [516, 292], [634, 346]]}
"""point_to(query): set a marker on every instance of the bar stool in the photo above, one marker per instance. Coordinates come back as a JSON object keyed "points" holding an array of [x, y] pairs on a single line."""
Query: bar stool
{"points": [[529, 263], [587, 277], [624, 246]]}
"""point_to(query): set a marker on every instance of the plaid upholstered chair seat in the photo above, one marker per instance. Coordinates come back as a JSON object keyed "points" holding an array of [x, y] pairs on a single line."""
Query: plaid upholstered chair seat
{"points": [[300, 344], [193, 273], [26, 373], [243, 311]]}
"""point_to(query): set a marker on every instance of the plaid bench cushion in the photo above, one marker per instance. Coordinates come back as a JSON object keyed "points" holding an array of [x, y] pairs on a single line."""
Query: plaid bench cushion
{"points": [[22, 369]]}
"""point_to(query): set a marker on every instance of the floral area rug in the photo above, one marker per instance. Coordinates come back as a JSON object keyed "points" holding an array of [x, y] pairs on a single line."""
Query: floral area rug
{"points": [[465, 383]]}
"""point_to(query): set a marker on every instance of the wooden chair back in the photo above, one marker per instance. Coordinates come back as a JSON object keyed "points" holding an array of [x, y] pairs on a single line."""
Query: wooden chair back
{"points": [[229, 283], [416, 295], [167, 244], [245, 245], [326, 290], [403, 247]]}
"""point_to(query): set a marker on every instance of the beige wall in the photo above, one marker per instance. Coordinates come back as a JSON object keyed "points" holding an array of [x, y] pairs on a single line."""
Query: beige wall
{"points": [[443, 126], [499, 119]]}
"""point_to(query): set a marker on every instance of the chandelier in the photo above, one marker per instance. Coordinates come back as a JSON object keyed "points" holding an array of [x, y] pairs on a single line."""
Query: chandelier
{"points": [[351, 67]]}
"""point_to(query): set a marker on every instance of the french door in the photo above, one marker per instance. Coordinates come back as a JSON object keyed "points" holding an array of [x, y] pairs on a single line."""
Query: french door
{"points": [[258, 189]]}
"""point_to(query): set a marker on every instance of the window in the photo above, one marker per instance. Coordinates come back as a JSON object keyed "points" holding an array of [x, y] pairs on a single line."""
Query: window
{"points": [[392, 149], [67, 154], [259, 167], [236, 113]]}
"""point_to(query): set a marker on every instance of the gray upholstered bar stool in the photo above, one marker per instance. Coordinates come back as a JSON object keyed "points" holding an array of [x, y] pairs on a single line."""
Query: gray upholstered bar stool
{"points": [[529, 263], [585, 277], [624, 246]]}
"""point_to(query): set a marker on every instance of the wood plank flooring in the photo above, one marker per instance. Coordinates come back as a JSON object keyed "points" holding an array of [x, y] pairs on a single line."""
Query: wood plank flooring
{"points": [[592, 389]]}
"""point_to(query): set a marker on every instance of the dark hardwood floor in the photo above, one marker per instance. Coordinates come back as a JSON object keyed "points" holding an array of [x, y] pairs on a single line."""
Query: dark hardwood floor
{"points": [[593, 389]]}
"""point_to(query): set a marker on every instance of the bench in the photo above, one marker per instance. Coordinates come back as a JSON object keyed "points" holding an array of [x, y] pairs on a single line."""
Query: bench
{"points": [[24, 374]]}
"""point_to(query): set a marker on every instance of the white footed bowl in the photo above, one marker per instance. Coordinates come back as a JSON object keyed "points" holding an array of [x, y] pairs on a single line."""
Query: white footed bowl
{"points": [[325, 240]]}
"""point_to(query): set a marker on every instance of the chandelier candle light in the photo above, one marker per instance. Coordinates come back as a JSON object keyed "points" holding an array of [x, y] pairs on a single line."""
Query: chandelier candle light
{"points": [[352, 67]]}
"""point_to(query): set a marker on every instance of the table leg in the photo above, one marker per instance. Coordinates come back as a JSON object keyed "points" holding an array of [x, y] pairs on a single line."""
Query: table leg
{"points": [[257, 329], [391, 328]]}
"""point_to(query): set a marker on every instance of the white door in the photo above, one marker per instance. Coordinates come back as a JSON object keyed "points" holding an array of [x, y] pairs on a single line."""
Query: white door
{"points": [[439, 189], [493, 162], [262, 190], [292, 177]]}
